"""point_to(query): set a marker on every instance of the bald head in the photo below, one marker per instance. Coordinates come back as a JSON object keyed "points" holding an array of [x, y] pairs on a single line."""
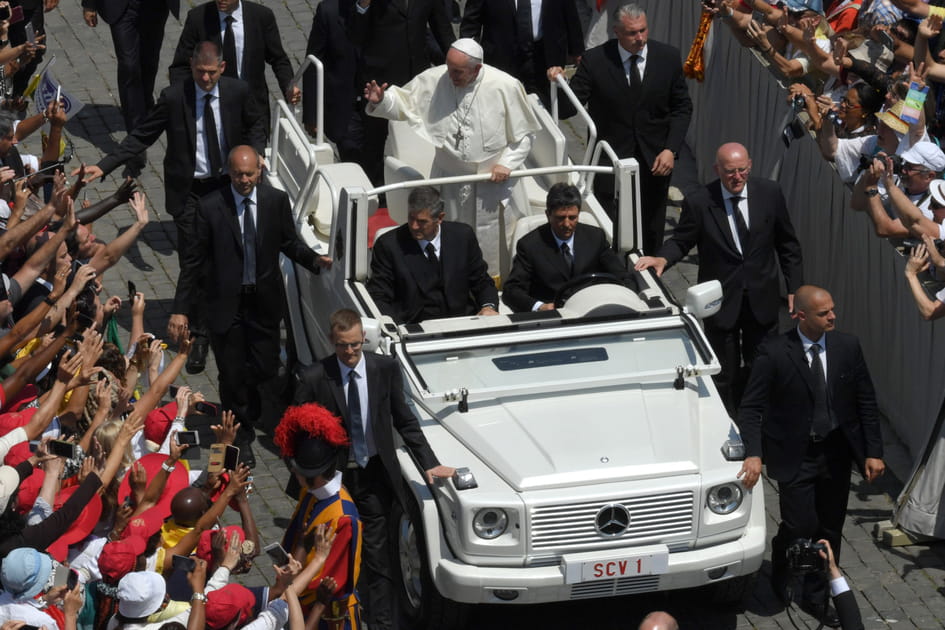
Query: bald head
{"points": [[733, 166], [245, 168], [807, 294], [814, 307], [659, 620], [731, 151]]}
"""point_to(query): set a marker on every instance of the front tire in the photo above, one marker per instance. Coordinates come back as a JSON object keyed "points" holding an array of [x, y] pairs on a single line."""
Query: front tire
{"points": [[420, 603]]}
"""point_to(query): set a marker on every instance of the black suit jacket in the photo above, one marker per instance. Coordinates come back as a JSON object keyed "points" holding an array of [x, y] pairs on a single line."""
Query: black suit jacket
{"points": [[848, 611], [175, 114], [539, 269], [775, 415], [387, 406], [215, 258], [328, 40], [261, 45], [391, 36], [772, 243], [400, 273], [112, 10], [641, 124], [492, 22]]}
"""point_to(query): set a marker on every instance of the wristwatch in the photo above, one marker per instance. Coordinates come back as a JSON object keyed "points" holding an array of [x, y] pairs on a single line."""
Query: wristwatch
{"points": [[872, 192], [198, 597]]}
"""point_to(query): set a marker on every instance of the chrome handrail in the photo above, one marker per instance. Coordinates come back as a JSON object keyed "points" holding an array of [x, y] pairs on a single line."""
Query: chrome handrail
{"points": [[312, 60], [562, 85]]}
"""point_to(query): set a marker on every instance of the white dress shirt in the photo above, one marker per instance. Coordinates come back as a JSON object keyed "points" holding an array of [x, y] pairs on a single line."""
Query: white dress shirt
{"points": [[729, 212], [641, 63], [238, 33], [822, 342], [240, 208], [436, 244], [202, 169], [361, 369], [536, 17]]}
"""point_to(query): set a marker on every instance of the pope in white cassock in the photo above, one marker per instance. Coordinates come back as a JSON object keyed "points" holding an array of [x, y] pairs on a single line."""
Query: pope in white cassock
{"points": [[480, 121]]}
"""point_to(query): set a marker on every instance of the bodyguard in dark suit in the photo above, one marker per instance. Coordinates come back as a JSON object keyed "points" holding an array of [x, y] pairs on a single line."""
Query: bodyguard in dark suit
{"points": [[746, 263], [240, 231], [548, 257], [367, 392], [429, 268], [808, 413], [636, 93], [193, 162], [137, 28], [256, 42], [328, 40], [177, 113], [391, 37], [525, 45]]}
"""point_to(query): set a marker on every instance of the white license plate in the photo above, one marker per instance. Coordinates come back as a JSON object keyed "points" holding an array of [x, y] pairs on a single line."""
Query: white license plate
{"points": [[651, 562]]}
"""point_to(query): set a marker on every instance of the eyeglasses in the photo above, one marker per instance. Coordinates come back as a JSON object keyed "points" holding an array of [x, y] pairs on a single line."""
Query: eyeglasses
{"points": [[845, 103], [744, 170], [913, 168], [349, 346]]}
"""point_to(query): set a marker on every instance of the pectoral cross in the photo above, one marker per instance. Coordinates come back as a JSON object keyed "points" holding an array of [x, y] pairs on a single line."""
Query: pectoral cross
{"points": [[458, 137]]}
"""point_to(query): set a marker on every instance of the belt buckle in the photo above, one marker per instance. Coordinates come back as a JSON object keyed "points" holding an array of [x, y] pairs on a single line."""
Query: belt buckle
{"points": [[248, 289], [816, 439]]}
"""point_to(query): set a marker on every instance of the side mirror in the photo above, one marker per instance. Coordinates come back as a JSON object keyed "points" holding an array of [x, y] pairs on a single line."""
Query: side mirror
{"points": [[704, 299]]}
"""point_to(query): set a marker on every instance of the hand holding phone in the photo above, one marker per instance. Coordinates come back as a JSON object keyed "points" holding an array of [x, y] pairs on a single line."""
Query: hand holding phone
{"points": [[279, 556], [61, 448], [189, 438], [205, 408], [231, 458], [183, 563]]}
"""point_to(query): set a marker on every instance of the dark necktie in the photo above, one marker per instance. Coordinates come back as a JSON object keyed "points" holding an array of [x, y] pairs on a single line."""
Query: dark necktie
{"points": [[431, 256], [523, 23], [356, 422], [229, 49], [568, 257], [636, 81], [821, 424], [214, 157], [249, 244], [740, 224]]}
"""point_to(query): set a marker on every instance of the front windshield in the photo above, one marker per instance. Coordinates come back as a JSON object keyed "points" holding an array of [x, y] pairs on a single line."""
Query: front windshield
{"points": [[554, 360]]}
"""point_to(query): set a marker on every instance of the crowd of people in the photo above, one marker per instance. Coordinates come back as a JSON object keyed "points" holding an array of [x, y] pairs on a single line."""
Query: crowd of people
{"points": [[867, 78], [104, 521]]}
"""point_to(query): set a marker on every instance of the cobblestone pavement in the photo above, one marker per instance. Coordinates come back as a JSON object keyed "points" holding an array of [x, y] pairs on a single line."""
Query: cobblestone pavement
{"points": [[896, 588]]}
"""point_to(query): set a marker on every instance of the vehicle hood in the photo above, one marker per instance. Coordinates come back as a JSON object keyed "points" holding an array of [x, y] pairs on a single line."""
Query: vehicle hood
{"points": [[597, 435]]}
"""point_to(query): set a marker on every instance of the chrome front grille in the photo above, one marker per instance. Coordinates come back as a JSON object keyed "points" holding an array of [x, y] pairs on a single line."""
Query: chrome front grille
{"points": [[571, 527], [619, 586]]}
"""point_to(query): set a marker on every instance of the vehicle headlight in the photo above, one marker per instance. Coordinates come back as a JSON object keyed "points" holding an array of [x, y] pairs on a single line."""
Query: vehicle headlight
{"points": [[490, 523], [724, 499]]}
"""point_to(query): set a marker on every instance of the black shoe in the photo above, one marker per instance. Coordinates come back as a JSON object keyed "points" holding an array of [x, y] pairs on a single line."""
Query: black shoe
{"points": [[827, 615], [197, 360], [247, 456]]}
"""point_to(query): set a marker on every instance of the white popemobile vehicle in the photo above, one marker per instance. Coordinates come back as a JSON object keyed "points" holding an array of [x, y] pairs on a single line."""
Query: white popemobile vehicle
{"points": [[596, 456]]}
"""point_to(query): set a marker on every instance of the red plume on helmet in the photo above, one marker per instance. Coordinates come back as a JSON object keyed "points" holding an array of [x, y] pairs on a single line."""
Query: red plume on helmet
{"points": [[308, 420]]}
